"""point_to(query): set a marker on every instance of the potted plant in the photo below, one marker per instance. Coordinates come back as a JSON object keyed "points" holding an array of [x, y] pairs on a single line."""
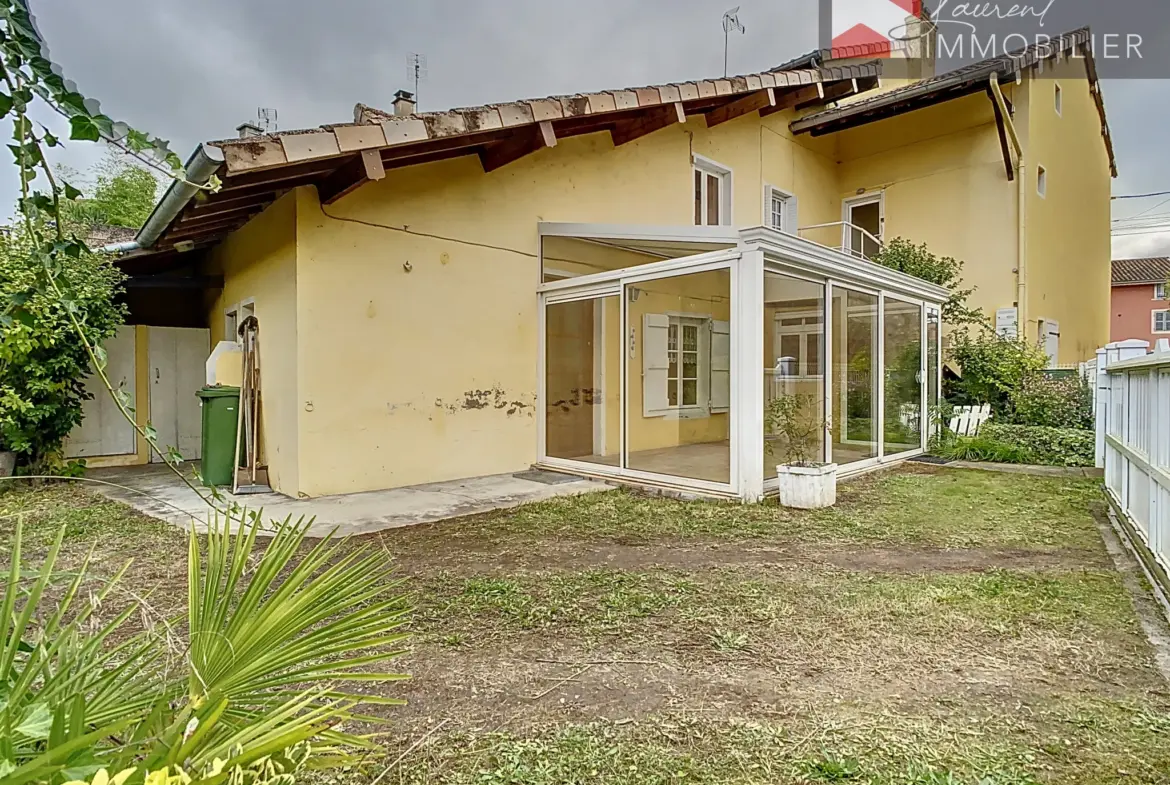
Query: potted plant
{"points": [[804, 482]]}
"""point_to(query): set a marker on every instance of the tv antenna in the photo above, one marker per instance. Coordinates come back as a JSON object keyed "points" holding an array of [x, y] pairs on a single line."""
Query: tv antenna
{"points": [[730, 22], [416, 71], [266, 119]]}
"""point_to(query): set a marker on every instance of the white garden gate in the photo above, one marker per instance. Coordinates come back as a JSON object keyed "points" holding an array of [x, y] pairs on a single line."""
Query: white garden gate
{"points": [[1133, 442]]}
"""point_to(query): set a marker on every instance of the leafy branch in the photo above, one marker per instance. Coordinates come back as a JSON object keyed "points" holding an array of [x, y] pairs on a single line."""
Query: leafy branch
{"points": [[27, 74]]}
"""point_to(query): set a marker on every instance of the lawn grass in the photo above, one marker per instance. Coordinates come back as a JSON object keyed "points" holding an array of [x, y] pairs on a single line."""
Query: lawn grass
{"points": [[936, 627], [961, 509]]}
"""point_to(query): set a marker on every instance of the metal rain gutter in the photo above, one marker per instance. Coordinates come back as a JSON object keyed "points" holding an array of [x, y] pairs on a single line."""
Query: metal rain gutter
{"points": [[202, 164]]}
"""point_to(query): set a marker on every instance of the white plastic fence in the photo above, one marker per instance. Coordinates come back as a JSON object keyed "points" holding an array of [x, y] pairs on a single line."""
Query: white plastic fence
{"points": [[967, 420], [1133, 437]]}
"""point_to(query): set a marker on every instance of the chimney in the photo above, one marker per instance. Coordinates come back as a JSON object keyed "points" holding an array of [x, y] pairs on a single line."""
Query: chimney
{"points": [[248, 129], [403, 103]]}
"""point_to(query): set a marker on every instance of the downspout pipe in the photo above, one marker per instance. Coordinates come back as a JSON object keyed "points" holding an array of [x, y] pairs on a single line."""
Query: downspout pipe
{"points": [[1021, 200], [203, 163]]}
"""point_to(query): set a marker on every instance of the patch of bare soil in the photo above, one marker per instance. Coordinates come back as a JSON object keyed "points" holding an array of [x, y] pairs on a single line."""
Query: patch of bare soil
{"points": [[490, 558], [545, 679]]}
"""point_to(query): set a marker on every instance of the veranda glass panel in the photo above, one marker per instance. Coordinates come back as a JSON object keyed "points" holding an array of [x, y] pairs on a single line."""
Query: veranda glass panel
{"points": [[582, 380], [855, 375], [932, 365], [678, 376], [794, 377], [903, 373]]}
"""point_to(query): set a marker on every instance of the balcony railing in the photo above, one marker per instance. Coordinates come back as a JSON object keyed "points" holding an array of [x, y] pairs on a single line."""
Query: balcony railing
{"points": [[845, 237]]}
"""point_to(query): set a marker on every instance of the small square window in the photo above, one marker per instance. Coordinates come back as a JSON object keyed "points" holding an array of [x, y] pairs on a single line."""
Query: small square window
{"points": [[779, 210], [712, 193], [1059, 98], [1042, 181], [1162, 321], [1159, 291]]}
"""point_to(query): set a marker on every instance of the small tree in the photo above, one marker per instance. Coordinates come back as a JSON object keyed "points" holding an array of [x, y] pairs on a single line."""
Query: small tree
{"points": [[993, 367], [42, 364], [123, 195], [917, 260]]}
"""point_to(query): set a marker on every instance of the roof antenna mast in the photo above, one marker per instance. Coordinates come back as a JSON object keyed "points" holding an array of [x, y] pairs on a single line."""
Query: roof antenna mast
{"points": [[416, 70], [730, 22], [266, 119]]}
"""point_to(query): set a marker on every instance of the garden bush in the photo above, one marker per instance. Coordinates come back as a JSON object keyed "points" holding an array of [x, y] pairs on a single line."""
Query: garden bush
{"points": [[981, 448], [1053, 402], [1044, 445], [993, 368]]}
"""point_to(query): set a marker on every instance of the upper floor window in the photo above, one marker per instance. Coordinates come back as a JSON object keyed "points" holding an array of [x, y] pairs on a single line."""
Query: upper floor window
{"points": [[1159, 291], [1059, 99], [1162, 321], [1042, 181], [779, 210], [712, 193]]}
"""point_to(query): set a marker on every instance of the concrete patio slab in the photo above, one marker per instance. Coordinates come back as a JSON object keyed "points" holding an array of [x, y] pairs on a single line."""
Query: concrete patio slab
{"points": [[154, 490]]}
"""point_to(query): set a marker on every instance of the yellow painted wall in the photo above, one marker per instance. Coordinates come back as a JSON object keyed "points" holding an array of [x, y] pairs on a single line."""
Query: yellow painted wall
{"points": [[422, 399], [399, 325], [944, 182], [260, 261], [1068, 270]]}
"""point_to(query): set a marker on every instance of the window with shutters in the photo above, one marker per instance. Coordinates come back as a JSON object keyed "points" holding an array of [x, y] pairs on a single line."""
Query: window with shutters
{"points": [[1162, 321], [686, 365], [712, 193], [779, 209]]}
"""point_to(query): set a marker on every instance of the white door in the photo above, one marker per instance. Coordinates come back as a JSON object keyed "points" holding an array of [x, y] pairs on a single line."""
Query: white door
{"points": [[1050, 339], [177, 369], [103, 429]]}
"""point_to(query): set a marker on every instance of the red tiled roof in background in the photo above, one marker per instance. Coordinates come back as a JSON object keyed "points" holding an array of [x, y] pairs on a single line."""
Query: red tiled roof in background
{"points": [[1134, 271]]}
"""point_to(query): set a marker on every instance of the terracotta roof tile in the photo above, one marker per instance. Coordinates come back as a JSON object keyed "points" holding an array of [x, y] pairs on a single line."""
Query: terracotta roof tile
{"points": [[1131, 271]]}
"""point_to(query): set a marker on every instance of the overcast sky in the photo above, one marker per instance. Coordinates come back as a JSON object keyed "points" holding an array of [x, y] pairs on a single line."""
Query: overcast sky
{"points": [[192, 71]]}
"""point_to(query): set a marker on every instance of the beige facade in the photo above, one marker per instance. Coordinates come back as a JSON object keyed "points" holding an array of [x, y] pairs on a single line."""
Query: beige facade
{"points": [[400, 324]]}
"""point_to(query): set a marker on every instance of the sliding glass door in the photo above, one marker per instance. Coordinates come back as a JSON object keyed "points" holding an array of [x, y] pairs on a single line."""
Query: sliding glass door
{"points": [[678, 376], [904, 377], [855, 371], [582, 402]]}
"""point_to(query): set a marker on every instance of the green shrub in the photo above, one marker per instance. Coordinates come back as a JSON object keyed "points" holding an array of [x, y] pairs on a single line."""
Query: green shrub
{"points": [[993, 368], [43, 365], [1047, 446], [1053, 402], [982, 448]]}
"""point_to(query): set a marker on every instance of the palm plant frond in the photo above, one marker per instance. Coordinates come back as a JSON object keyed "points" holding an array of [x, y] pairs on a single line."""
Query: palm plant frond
{"points": [[284, 642]]}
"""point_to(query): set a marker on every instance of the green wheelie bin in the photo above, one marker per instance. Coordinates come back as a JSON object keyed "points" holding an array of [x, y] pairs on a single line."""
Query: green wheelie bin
{"points": [[220, 407]]}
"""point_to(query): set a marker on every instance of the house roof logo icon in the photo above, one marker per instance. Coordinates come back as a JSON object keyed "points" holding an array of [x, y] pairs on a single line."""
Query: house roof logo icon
{"points": [[870, 28]]}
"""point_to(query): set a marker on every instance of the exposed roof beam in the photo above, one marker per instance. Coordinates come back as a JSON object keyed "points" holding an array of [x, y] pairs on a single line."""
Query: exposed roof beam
{"points": [[188, 221], [280, 174], [174, 282], [362, 169], [752, 102], [504, 153], [790, 99], [187, 232], [654, 120], [214, 206]]}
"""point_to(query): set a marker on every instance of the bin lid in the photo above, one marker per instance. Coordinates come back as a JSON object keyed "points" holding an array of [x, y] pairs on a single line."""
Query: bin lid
{"points": [[219, 391]]}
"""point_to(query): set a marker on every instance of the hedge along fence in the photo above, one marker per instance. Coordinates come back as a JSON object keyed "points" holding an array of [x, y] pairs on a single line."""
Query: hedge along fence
{"points": [[1045, 445]]}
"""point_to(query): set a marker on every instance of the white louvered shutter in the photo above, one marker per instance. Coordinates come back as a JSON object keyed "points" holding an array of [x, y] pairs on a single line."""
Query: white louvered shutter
{"points": [[720, 366], [655, 364]]}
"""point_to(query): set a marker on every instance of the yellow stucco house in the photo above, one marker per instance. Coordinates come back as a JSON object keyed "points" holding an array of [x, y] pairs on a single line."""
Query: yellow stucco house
{"points": [[621, 284]]}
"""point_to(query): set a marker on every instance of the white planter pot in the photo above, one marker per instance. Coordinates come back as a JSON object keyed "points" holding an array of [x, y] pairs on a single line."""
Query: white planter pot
{"points": [[808, 487], [7, 463]]}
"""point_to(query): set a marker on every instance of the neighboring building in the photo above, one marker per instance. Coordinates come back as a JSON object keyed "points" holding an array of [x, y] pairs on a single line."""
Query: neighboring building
{"points": [[1140, 305], [577, 281]]}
